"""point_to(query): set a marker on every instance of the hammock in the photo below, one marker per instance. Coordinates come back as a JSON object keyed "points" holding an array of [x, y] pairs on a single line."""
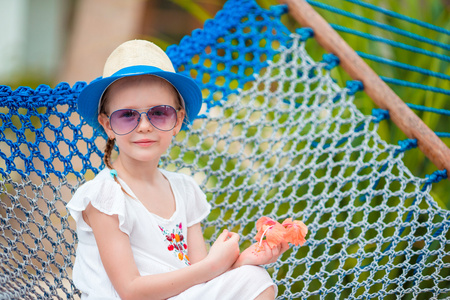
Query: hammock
{"points": [[277, 137]]}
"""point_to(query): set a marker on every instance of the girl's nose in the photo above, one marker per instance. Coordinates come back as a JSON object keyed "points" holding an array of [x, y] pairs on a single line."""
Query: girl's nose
{"points": [[144, 124]]}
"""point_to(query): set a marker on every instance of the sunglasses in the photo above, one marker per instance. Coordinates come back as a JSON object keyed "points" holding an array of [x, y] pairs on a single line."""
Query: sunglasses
{"points": [[162, 117]]}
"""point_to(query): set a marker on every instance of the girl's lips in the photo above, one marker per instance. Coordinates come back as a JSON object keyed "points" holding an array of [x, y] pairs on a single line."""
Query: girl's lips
{"points": [[144, 142]]}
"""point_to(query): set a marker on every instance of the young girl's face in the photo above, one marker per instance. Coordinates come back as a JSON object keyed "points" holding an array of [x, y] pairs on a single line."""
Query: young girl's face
{"points": [[145, 143]]}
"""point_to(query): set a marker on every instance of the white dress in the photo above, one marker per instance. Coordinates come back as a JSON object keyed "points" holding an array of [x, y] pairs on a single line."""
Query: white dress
{"points": [[159, 245]]}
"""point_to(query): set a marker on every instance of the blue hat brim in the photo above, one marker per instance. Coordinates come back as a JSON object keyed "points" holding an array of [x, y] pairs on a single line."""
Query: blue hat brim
{"points": [[89, 98]]}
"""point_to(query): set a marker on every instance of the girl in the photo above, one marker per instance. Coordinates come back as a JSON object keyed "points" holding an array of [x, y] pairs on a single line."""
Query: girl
{"points": [[139, 232]]}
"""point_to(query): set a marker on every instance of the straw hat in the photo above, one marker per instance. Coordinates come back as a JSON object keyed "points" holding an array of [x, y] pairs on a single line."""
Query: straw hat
{"points": [[133, 58]]}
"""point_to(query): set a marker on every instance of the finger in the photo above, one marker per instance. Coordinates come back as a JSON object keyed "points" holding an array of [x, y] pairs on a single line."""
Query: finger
{"points": [[234, 237], [284, 247], [273, 253], [276, 251], [268, 250], [224, 235]]}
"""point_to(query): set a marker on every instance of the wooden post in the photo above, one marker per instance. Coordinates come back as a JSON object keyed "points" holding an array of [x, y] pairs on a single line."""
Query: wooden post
{"points": [[383, 96]]}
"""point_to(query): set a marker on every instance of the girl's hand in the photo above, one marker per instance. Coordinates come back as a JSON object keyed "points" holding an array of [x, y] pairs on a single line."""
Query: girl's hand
{"points": [[256, 255], [224, 251]]}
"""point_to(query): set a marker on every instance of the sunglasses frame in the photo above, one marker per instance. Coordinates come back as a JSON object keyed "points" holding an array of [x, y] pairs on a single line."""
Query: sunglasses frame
{"points": [[139, 119]]}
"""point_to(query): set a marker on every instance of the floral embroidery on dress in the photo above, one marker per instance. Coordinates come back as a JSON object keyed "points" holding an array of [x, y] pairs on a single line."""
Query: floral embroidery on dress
{"points": [[177, 244]]}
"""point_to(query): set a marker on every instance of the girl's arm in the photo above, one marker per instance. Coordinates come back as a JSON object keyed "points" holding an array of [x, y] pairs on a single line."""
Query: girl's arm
{"points": [[196, 243], [118, 261]]}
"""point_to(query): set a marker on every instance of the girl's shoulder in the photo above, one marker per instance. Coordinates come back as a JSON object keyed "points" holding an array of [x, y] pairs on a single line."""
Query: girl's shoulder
{"points": [[102, 190], [105, 195]]}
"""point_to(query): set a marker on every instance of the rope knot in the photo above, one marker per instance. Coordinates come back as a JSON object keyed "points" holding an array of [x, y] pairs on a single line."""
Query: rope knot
{"points": [[380, 115], [5, 91], [406, 145], [63, 88], [354, 86], [436, 176], [78, 86], [331, 60], [24, 91], [305, 33], [43, 90], [279, 10]]}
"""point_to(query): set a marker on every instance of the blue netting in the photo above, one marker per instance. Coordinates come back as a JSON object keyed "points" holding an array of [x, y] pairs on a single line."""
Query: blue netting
{"points": [[238, 51]]}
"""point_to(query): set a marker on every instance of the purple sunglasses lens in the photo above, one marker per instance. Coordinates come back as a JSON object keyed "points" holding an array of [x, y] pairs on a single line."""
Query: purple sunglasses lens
{"points": [[162, 117], [123, 121]]}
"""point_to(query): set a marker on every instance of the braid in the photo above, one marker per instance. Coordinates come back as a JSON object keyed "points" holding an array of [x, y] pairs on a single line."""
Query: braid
{"points": [[108, 150], [107, 160]]}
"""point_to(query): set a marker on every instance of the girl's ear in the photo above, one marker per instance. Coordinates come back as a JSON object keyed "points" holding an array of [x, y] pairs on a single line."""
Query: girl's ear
{"points": [[104, 121], [180, 116]]}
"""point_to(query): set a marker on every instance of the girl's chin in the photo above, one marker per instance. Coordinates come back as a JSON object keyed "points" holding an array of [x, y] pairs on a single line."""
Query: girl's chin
{"points": [[141, 158]]}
